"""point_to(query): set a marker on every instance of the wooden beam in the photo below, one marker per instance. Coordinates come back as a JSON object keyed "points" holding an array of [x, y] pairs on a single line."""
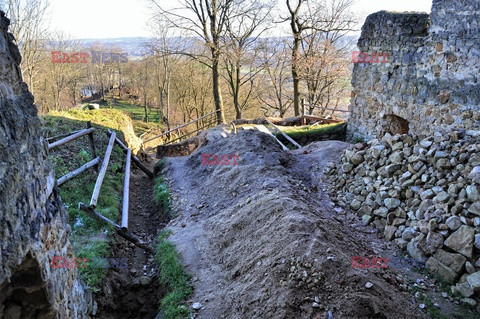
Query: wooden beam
{"points": [[135, 159], [70, 138], [316, 118], [92, 143], [262, 128], [180, 126], [122, 232], [103, 170], [78, 171], [126, 189], [61, 135], [284, 135]]}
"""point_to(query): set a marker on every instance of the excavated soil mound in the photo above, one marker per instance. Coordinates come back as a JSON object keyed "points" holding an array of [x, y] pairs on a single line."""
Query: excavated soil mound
{"points": [[262, 240]]}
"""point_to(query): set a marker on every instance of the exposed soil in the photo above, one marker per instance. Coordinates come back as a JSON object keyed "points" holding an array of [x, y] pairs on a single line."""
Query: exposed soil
{"points": [[263, 240], [134, 292]]}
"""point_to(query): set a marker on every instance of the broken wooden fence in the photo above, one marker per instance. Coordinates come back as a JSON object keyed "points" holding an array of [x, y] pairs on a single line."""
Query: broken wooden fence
{"points": [[90, 210], [72, 136]]}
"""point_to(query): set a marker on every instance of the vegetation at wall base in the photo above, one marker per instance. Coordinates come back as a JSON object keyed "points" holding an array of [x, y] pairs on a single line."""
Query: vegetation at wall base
{"points": [[174, 278]]}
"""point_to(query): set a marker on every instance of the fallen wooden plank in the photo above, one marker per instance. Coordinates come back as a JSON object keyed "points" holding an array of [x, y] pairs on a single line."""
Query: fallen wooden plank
{"points": [[316, 118], [263, 129], [78, 171], [284, 135], [103, 170], [61, 135], [122, 232], [126, 189], [135, 159], [71, 138]]}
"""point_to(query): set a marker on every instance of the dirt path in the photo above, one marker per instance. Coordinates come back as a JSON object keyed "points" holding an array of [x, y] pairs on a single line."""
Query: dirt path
{"points": [[262, 239], [134, 292]]}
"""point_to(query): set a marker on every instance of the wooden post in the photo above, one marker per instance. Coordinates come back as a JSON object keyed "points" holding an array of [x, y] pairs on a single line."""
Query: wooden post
{"points": [[92, 144], [122, 232], [126, 189], [103, 170], [284, 135], [135, 159], [79, 170]]}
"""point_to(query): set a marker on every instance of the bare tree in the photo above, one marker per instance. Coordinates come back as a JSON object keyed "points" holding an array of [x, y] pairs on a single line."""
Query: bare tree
{"points": [[242, 50], [28, 28], [207, 20], [323, 16], [276, 62]]}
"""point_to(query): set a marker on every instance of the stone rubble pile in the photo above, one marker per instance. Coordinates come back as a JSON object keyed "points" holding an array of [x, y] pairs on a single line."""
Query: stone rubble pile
{"points": [[422, 194]]}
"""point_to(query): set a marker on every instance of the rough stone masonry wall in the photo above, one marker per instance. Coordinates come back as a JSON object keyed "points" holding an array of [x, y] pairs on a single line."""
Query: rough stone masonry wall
{"points": [[33, 225], [433, 81], [422, 194]]}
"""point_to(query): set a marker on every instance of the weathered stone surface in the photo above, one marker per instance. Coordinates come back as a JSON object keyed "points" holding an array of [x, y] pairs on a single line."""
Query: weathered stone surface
{"points": [[474, 281], [453, 222], [462, 240], [33, 221], [477, 241], [475, 174], [473, 193], [392, 203], [415, 251], [453, 261], [433, 242], [389, 232], [444, 272]]}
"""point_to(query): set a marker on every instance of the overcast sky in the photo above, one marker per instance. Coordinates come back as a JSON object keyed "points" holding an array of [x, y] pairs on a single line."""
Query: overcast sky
{"points": [[128, 18]]}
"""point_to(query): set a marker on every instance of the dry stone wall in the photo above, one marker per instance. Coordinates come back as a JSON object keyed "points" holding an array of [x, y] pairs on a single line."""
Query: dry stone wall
{"points": [[431, 79], [33, 223]]}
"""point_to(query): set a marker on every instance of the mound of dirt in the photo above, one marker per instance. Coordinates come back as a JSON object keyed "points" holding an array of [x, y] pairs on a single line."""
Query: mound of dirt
{"points": [[262, 240]]}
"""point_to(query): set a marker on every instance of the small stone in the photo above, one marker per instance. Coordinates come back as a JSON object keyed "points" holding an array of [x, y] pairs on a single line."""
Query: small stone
{"points": [[356, 159], [474, 281], [367, 219], [347, 167], [368, 285], [453, 222], [473, 193], [391, 169], [315, 305], [475, 174], [469, 302], [197, 306], [391, 203], [355, 204], [390, 232], [421, 306], [469, 267], [477, 241]]}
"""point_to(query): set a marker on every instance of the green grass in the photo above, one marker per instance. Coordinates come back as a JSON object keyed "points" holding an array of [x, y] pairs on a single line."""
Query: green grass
{"points": [[161, 194], [308, 133], [89, 238], [174, 278]]}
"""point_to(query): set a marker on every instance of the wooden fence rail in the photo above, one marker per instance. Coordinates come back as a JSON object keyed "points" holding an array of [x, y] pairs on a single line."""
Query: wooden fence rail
{"points": [[103, 170], [71, 137], [180, 126]]}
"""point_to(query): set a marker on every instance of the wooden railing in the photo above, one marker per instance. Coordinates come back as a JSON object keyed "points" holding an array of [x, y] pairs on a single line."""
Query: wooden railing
{"points": [[72, 136], [90, 209], [177, 129]]}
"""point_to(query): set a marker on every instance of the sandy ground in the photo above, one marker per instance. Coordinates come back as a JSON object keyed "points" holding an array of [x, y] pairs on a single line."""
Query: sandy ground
{"points": [[262, 239]]}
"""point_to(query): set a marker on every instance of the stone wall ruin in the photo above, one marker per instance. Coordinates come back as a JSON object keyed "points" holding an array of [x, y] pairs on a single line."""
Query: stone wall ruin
{"points": [[33, 223], [432, 76]]}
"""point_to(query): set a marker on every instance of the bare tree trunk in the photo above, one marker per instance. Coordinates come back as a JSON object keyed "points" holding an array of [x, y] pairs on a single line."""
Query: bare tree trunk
{"points": [[217, 94]]}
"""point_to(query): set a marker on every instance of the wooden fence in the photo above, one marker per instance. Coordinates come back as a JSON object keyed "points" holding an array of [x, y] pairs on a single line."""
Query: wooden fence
{"points": [[122, 229]]}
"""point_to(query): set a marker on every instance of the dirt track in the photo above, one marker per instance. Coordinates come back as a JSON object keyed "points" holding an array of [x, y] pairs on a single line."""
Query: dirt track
{"points": [[262, 239]]}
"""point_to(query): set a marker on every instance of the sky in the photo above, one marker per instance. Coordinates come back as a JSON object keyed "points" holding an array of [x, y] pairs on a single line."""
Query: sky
{"points": [[128, 18]]}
